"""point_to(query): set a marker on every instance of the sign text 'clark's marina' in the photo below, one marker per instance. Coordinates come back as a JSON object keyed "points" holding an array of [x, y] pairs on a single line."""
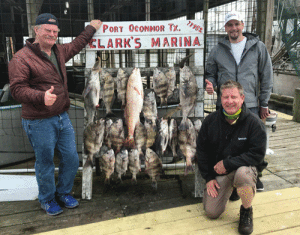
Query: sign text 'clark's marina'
{"points": [[148, 35]]}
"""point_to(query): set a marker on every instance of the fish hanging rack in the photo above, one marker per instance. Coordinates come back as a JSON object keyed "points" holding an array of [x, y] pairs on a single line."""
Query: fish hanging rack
{"points": [[146, 74]]}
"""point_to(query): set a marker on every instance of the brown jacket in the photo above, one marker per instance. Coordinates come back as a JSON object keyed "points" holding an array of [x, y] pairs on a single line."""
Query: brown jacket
{"points": [[31, 74]]}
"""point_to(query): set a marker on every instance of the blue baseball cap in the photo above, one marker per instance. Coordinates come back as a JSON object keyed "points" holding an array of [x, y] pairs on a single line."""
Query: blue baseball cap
{"points": [[46, 18]]}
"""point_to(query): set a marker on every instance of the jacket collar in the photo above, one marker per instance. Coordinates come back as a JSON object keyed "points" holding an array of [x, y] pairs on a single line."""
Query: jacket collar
{"points": [[244, 113], [252, 39]]}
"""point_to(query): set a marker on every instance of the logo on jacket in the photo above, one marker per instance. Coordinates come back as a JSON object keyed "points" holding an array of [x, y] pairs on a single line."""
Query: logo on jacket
{"points": [[242, 138]]}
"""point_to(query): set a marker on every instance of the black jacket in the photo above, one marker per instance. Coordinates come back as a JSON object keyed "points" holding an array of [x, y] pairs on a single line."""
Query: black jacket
{"points": [[241, 144]]}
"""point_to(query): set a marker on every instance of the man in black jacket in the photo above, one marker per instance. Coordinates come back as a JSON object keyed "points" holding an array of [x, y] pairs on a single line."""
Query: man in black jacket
{"points": [[231, 146]]}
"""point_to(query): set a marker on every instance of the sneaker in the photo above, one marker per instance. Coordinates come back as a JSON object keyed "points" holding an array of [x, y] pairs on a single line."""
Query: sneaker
{"points": [[51, 207], [246, 220], [259, 185], [68, 201], [234, 195]]}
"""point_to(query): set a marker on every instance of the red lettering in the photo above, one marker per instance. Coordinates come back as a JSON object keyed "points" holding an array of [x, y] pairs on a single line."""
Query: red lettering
{"points": [[116, 29], [99, 44], [155, 43], [137, 42], [91, 43], [110, 44], [200, 30], [187, 41], [196, 42], [136, 28], [170, 26], [157, 28], [180, 42], [162, 28], [152, 28], [173, 42], [118, 42], [166, 43], [105, 26], [111, 29], [141, 28], [121, 28], [126, 42], [131, 28], [146, 29]]}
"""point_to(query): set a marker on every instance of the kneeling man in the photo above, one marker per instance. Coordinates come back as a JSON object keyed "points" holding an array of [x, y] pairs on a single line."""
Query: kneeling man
{"points": [[231, 146]]}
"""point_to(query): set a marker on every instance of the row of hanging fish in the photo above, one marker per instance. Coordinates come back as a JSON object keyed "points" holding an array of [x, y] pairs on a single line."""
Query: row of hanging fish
{"points": [[105, 138], [101, 86]]}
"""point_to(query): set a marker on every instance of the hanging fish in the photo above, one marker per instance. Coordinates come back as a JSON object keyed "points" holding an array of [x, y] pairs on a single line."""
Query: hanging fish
{"points": [[188, 92], [93, 136], [134, 105], [122, 79], [134, 164], [173, 137], [107, 90], [160, 86], [121, 163], [153, 166], [116, 135], [187, 142], [91, 92]]}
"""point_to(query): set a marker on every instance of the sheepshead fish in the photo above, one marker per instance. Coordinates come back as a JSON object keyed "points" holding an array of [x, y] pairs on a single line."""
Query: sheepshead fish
{"points": [[173, 136], [153, 166], [107, 139], [122, 163], [163, 136], [197, 125], [91, 92], [151, 131], [160, 86], [140, 139], [171, 78], [107, 164], [116, 135], [134, 164], [122, 79], [134, 105], [93, 136], [107, 90], [188, 91], [150, 107], [187, 142]]}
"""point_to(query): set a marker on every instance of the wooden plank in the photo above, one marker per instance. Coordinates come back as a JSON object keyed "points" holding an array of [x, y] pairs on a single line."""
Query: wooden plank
{"points": [[191, 218]]}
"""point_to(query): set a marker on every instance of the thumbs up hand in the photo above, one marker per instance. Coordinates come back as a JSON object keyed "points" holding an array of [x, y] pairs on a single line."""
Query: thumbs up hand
{"points": [[49, 97], [209, 87]]}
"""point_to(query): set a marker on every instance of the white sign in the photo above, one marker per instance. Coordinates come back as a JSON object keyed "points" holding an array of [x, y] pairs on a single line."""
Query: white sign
{"points": [[148, 35]]}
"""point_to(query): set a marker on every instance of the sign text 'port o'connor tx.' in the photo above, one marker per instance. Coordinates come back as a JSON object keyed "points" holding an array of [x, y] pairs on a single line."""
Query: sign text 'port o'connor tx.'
{"points": [[173, 34]]}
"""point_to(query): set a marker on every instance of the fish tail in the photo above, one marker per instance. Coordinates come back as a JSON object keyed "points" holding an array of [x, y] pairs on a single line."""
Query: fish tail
{"points": [[129, 142], [189, 168]]}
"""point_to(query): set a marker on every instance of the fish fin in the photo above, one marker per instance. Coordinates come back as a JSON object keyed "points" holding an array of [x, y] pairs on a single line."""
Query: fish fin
{"points": [[86, 90]]}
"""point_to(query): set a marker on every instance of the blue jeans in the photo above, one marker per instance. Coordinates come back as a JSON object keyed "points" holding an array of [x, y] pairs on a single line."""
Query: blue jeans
{"points": [[45, 135]]}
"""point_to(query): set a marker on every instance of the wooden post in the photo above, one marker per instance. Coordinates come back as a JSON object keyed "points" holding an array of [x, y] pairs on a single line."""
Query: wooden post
{"points": [[269, 25], [296, 108]]}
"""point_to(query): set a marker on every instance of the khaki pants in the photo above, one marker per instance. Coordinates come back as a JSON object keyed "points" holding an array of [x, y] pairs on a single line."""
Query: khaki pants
{"points": [[243, 176]]}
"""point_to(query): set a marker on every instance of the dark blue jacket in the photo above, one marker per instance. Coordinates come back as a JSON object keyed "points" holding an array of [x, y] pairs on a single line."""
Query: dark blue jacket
{"points": [[240, 144]]}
